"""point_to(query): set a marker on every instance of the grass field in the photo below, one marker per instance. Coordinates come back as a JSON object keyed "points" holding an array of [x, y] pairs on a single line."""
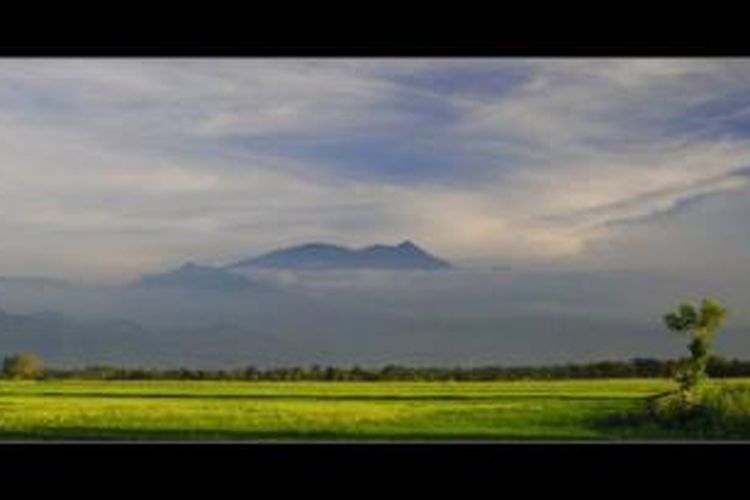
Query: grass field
{"points": [[167, 410]]}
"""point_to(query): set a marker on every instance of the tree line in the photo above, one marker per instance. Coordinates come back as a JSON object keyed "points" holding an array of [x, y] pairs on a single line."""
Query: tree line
{"points": [[635, 368]]}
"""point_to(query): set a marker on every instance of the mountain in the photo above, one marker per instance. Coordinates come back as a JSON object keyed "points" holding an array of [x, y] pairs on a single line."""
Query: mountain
{"points": [[194, 276], [406, 255]]}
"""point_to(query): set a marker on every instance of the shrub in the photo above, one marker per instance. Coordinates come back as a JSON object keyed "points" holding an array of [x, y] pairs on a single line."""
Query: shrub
{"points": [[711, 411], [22, 366]]}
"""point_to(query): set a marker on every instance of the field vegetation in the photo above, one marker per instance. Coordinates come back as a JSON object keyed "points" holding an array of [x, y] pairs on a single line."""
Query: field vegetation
{"points": [[236, 410]]}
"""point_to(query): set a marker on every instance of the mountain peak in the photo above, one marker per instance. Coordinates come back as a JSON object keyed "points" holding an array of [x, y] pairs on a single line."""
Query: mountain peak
{"points": [[410, 246], [405, 255]]}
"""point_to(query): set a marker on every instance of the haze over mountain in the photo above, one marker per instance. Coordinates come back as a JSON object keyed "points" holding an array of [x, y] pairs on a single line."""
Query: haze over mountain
{"points": [[194, 276], [405, 255], [363, 316]]}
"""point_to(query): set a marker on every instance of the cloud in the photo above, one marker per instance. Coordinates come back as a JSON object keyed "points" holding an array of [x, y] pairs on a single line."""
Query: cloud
{"points": [[130, 165]]}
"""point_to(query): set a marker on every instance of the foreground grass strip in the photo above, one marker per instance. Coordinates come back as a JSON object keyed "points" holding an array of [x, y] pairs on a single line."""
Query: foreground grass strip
{"points": [[102, 410]]}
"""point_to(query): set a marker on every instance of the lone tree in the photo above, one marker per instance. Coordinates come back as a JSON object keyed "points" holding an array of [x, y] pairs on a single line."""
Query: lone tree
{"points": [[700, 325], [25, 365]]}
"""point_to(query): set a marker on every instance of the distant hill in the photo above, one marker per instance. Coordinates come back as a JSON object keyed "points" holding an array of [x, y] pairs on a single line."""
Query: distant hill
{"points": [[61, 340], [406, 255], [194, 276], [447, 318]]}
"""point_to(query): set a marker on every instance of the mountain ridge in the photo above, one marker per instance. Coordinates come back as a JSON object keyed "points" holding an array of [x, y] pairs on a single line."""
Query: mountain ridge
{"points": [[321, 256]]}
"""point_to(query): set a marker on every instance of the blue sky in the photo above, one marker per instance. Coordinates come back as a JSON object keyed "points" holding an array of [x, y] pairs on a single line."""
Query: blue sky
{"points": [[114, 167]]}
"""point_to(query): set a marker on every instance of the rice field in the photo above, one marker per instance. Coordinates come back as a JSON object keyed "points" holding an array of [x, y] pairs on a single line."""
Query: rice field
{"points": [[181, 410]]}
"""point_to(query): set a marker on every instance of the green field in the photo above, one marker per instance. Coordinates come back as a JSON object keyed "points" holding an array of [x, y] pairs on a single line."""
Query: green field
{"points": [[177, 410]]}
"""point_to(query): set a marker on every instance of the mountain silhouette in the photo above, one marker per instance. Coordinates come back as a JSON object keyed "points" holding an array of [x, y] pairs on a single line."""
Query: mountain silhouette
{"points": [[406, 255]]}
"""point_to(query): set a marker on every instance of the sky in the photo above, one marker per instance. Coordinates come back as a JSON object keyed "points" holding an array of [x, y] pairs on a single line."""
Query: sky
{"points": [[110, 168]]}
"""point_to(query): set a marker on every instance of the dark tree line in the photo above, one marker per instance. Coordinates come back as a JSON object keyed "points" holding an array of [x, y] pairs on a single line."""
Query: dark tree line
{"points": [[635, 368]]}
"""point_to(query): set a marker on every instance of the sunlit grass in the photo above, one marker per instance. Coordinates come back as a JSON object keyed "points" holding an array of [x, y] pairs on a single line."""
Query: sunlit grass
{"points": [[328, 410]]}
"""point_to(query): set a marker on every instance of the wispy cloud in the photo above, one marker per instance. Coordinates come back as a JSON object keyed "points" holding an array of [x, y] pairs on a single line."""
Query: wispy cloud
{"points": [[130, 165]]}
